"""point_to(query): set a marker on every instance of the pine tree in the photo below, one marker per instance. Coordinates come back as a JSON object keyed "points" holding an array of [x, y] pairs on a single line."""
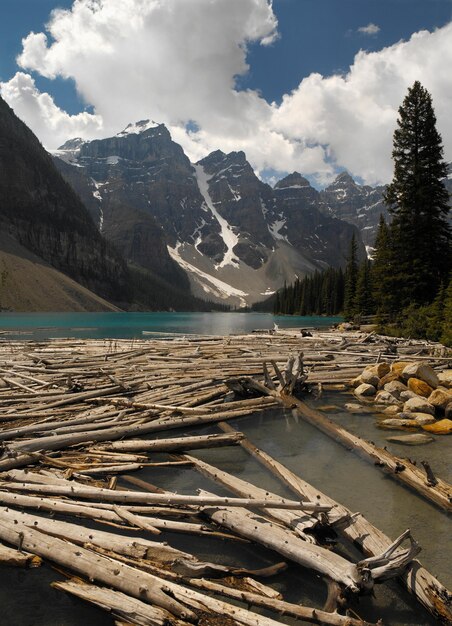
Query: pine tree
{"points": [[364, 301], [384, 271], [418, 202], [351, 277]]}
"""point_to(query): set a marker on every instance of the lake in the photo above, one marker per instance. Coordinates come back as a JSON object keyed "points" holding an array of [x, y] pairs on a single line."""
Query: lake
{"points": [[41, 326]]}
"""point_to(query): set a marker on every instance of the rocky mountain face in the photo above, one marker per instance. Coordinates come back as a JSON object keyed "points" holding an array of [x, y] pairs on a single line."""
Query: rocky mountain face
{"points": [[237, 238], [360, 205], [41, 211]]}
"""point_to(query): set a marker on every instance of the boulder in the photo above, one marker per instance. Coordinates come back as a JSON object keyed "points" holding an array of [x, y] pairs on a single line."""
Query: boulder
{"points": [[423, 372], [448, 411], [379, 369], [356, 382], [441, 427], [418, 405], [421, 418], [407, 395], [419, 387], [365, 390], [384, 397], [354, 408], [398, 424], [440, 398], [388, 379], [392, 410], [369, 377], [414, 439], [445, 379], [398, 366], [395, 388]]}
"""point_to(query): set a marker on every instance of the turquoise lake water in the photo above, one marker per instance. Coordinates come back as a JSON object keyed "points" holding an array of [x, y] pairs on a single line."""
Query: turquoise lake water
{"points": [[137, 325]]}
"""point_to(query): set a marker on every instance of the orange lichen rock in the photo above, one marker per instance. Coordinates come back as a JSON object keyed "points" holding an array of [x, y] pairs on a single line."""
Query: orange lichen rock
{"points": [[442, 427]]}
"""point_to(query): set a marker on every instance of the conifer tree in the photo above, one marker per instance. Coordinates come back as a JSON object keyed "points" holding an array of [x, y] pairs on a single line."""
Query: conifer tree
{"points": [[351, 277], [364, 301], [418, 202]]}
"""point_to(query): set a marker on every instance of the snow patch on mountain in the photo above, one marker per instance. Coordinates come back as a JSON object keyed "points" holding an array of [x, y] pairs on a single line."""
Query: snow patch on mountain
{"points": [[209, 283], [137, 128], [227, 234], [276, 227]]}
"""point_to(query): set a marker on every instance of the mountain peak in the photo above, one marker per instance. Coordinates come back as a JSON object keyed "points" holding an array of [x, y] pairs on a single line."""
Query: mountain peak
{"points": [[292, 180], [138, 127], [344, 177]]}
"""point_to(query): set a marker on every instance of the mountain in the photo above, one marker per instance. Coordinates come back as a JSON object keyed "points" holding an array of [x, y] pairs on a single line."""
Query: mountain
{"points": [[28, 283], [235, 237], [41, 212], [360, 205]]}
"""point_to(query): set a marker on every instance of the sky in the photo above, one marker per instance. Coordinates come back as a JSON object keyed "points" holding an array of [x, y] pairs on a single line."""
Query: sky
{"points": [[300, 85]]}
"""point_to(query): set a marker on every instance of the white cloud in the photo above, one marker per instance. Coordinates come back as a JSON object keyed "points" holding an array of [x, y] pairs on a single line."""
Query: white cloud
{"points": [[175, 61], [370, 29]]}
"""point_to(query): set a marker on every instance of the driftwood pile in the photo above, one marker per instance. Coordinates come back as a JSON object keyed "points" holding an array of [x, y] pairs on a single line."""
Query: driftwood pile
{"points": [[72, 419]]}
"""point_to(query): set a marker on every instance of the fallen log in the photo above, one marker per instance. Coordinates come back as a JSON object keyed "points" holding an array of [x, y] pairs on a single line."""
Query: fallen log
{"points": [[175, 444], [120, 605], [109, 495], [355, 578]]}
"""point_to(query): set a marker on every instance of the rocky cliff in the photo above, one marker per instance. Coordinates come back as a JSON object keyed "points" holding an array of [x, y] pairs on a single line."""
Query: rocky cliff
{"points": [[42, 212]]}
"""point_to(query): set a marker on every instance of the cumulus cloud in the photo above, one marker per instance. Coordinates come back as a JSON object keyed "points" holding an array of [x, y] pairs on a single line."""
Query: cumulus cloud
{"points": [[176, 61], [370, 29]]}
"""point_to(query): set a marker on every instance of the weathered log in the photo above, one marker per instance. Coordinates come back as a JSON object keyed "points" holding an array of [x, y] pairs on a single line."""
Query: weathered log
{"points": [[94, 566], [119, 604], [108, 495], [17, 558], [175, 444]]}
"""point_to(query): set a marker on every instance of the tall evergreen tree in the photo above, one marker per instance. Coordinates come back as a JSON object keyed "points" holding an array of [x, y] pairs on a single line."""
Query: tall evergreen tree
{"points": [[364, 301], [384, 271], [351, 277], [418, 202]]}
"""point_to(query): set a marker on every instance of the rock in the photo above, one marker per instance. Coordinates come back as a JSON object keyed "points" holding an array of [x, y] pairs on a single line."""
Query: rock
{"points": [[421, 418], [448, 411], [392, 410], [354, 408], [388, 379], [419, 387], [440, 398], [384, 397], [369, 377], [445, 379], [407, 395], [395, 388], [329, 408], [442, 427], [415, 439], [365, 390], [418, 405], [396, 423], [379, 369], [356, 382], [423, 371], [398, 367]]}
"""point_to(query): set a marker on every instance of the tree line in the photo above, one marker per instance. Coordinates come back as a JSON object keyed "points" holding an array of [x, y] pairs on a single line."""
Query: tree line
{"points": [[407, 283]]}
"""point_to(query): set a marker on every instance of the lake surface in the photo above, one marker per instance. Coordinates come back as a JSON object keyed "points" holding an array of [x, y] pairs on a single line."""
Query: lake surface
{"points": [[136, 325]]}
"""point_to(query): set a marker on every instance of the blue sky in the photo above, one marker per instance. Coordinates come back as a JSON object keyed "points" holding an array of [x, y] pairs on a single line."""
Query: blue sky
{"points": [[184, 62]]}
